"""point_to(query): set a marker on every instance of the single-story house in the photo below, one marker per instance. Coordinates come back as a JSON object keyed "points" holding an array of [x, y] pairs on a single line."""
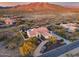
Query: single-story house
{"points": [[36, 31], [8, 21], [70, 27]]}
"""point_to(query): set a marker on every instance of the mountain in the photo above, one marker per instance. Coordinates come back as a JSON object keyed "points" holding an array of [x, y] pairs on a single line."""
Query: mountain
{"points": [[42, 7], [39, 7]]}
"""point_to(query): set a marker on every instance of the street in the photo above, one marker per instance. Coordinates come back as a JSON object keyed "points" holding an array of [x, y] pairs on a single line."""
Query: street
{"points": [[61, 50]]}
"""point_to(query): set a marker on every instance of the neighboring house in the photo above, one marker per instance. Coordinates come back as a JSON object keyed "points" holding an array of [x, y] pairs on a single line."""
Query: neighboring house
{"points": [[8, 21], [36, 31], [70, 27]]}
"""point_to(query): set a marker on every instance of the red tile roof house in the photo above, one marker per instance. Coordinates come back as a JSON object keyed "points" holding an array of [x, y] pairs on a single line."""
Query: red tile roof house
{"points": [[36, 31], [8, 21]]}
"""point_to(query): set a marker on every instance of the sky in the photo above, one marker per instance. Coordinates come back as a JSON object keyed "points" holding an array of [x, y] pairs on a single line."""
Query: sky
{"points": [[74, 4]]}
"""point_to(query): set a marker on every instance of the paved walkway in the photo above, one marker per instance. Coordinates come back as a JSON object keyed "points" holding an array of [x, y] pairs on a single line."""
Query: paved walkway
{"points": [[38, 49]]}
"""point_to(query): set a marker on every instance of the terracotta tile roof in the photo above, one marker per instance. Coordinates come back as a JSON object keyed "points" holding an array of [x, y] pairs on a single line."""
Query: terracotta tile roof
{"points": [[35, 31]]}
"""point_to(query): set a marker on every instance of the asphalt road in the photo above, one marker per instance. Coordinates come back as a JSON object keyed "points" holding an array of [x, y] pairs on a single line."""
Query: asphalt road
{"points": [[61, 50]]}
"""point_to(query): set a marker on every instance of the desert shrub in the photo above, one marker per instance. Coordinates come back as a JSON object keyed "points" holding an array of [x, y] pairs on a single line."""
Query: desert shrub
{"points": [[28, 47]]}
